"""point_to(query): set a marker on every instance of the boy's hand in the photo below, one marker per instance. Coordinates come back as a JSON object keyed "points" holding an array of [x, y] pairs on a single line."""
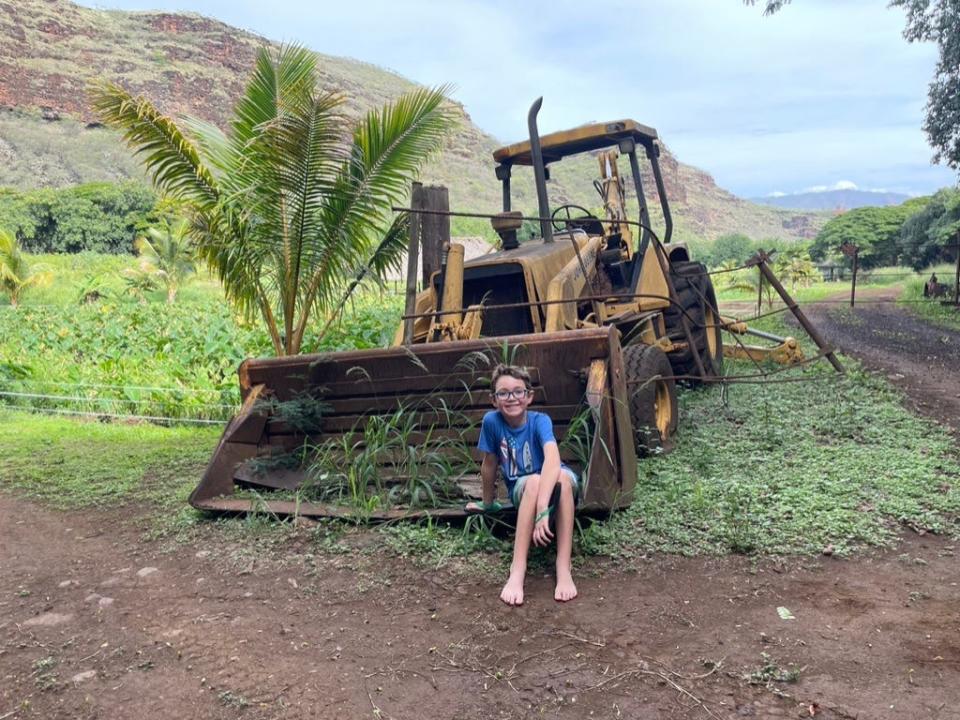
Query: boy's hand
{"points": [[541, 529]]}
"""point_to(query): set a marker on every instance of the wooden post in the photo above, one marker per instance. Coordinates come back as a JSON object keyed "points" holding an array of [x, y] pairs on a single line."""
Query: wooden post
{"points": [[853, 284], [852, 251], [759, 291], [413, 252], [434, 229]]}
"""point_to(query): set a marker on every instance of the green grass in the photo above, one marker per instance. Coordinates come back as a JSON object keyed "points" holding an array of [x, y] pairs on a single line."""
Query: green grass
{"points": [[72, 464], [790, 468], [763, 469], [122, 356], [931, 309], [769, 469]]}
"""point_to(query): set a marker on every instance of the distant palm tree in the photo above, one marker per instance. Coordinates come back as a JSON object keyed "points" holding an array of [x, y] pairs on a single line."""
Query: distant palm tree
{"points": [[294, 200], [16, 274], [797, 269], [166, 254]]}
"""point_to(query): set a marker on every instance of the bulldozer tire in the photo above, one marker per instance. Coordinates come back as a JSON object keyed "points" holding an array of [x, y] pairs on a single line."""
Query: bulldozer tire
{"points": [[653, 398], [698, 303]]}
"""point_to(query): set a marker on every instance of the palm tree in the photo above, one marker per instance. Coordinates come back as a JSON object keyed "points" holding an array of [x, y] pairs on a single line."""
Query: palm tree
{"points": [[16, 275], [292, 202], [166, 253], [796, 268]]}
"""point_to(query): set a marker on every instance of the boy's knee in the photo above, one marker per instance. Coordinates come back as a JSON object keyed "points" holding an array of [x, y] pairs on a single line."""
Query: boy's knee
{"points": [[531, 484]]}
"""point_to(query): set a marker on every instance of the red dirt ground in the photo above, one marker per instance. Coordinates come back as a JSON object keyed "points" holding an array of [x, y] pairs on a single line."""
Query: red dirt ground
{"points": [[96, 623]]}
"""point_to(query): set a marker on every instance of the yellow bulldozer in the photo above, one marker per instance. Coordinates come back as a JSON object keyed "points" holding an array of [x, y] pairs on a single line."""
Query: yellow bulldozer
{"points": [[606, 315]]}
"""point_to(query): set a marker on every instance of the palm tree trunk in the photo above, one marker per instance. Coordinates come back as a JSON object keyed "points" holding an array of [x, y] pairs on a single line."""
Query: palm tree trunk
{"points": [[270, 322]]}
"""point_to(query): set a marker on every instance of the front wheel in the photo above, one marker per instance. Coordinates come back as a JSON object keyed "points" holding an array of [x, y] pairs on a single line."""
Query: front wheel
{"points": [[653, 398]]}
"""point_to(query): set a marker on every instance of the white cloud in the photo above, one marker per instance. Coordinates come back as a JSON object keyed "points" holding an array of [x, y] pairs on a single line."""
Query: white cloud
{"points": [[844, 185]]}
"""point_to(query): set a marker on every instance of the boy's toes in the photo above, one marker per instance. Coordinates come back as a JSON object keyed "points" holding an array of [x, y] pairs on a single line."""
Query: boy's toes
{"points": [[512, 593], [565, 591]]}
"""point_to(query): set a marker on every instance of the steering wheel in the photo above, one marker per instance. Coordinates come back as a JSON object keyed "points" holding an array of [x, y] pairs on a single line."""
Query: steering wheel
{"points": [[558, 223]]}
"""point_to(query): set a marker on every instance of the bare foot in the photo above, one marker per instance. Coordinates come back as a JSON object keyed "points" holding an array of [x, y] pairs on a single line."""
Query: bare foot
{"points": [[566, 590], [512, 593]]}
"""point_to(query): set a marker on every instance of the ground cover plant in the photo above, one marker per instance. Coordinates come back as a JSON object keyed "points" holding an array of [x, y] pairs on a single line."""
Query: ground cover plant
{"points": [[84, 338], [833, 464]]}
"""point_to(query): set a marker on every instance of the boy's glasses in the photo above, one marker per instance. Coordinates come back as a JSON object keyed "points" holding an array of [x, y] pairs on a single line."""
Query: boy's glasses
{"points": [[512, 394]]}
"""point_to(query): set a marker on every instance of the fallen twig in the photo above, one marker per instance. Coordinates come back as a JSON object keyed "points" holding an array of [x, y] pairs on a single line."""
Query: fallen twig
{"points": [[662, 676], [580, 639]]}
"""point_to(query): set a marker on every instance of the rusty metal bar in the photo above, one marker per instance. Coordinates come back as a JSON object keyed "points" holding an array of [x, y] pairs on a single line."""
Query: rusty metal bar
{"points": [[760, 260]]}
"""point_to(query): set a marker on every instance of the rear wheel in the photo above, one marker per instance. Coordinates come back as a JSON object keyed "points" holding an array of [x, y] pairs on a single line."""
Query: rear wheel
{"points": [[653, 398], [697, 302]]}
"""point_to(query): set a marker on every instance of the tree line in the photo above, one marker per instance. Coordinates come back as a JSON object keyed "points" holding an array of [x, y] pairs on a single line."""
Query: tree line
{"points": [[98, 217], [918, 233]]}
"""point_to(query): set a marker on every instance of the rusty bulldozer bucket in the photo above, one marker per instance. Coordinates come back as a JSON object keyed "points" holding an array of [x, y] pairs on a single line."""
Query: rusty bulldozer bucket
{"points": [[392, 433]]}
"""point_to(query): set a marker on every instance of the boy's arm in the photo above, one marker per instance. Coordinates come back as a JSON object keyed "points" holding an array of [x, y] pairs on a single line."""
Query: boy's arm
{"points": [[549, 474], [488, 484], [488, 477]]}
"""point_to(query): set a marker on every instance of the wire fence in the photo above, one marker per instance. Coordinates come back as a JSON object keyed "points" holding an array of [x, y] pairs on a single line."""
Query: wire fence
{"points": [[146, 403]]}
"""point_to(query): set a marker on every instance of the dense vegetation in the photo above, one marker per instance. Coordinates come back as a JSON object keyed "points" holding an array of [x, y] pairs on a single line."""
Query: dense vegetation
{"points": [[97, 217], [845, 466], [917, 233], [91, 343]]}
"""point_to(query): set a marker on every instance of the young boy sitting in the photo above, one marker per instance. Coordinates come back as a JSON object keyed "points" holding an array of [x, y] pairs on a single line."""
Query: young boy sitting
{"points": [[521, 443]]}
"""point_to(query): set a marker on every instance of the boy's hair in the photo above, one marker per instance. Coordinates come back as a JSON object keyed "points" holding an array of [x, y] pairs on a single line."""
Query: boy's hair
{"points": [[513, 371]]}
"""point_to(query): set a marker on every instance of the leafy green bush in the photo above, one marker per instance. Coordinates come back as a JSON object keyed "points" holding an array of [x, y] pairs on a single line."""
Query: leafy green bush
{"points": [[99, 217]]}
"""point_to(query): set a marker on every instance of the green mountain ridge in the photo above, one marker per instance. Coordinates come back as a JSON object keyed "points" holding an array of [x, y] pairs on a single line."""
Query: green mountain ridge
{"points": [[188, 64]]}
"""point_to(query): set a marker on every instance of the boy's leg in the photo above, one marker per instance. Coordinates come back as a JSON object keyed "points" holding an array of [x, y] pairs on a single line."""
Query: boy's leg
{"points": [[512, 593], [566, 589]]}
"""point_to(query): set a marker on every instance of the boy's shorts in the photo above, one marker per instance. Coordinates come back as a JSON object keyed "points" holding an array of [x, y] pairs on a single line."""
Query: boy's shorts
{"points": [[516, 492]]}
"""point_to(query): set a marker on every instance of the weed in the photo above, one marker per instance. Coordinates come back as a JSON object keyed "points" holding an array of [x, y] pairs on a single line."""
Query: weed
{"points": [[231, 699], [390, 460], [770, 672], [43, 676]]}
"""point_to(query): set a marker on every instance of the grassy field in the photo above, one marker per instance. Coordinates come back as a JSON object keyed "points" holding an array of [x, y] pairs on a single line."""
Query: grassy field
{"points": [[122, 355], [931, 309]]}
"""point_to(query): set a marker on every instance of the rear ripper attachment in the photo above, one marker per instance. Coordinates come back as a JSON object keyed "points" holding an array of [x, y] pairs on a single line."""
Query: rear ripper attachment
{"points": [[374, 432]]}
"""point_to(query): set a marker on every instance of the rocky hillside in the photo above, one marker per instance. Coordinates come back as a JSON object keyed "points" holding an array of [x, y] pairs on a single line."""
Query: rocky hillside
{"points": [[188, 64]]}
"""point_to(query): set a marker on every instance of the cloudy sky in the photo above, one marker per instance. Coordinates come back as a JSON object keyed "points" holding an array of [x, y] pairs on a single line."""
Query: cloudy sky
{"points": [[824, 94]]}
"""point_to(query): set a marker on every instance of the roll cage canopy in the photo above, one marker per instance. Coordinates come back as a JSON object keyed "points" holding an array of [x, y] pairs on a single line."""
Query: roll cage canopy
{"points": [[585, 138], [537, 152]]}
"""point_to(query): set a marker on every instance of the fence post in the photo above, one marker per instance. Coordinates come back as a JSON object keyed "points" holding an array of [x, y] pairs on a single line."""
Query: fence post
{"points": [[413, 252], [852, 251], [956, 277], [760, 260], [434, 226]]}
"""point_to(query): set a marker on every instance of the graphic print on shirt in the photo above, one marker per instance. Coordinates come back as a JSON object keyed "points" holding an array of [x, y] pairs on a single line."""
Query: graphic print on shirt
{"points": [[510, 459]]}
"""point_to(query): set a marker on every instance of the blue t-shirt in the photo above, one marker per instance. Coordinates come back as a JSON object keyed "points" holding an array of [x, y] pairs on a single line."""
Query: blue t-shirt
{"points": [[519, 450]]}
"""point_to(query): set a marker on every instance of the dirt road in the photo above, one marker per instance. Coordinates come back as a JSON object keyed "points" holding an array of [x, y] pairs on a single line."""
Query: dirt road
{"points": [[920, 358]]}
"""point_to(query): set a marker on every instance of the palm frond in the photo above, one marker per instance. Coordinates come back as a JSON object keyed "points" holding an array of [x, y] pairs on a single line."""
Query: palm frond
{"points": [[387, 256], [170, 157], [389, 147]]}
